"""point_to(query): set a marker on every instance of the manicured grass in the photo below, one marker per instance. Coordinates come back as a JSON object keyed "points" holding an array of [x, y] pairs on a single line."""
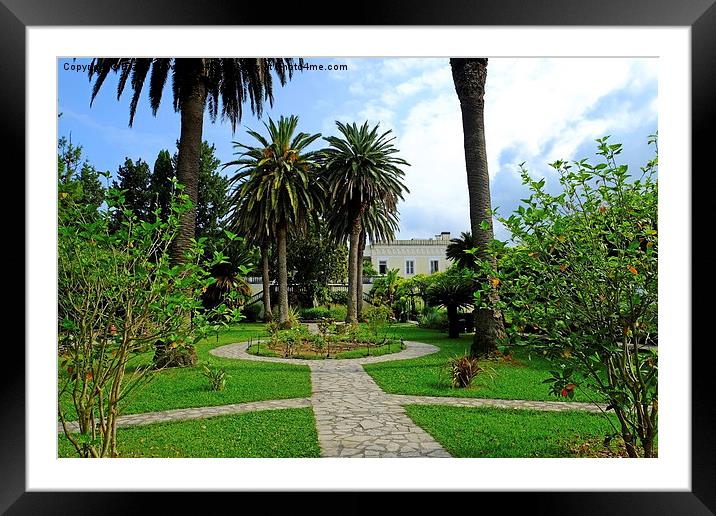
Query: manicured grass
{"points": [[427, 376], [266, 433], [493, 432], [187, 387]]}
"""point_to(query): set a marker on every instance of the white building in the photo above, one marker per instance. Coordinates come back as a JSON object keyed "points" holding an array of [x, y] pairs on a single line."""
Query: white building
{"points": [[410, 257]]}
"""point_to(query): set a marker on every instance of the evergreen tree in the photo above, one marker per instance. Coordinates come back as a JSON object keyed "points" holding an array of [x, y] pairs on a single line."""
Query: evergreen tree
{"points": [[213, 203], [134, 181], [161, 183]]}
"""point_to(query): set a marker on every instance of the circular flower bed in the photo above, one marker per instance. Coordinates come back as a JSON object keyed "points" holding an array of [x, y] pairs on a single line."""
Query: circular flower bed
{"points": [[332, 341]]}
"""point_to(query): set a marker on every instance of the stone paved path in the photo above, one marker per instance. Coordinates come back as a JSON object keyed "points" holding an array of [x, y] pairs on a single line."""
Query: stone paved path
{"points": [[556, 406], [354, 417], [412, 350], [200, 412]]}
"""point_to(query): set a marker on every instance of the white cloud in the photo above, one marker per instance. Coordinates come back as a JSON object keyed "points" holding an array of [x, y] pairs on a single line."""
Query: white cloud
{"points": [[430, 139], [538, 109], [374, 113]]}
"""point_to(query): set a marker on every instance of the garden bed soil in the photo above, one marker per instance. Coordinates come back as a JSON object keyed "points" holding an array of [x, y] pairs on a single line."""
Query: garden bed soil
{"points": [[307, 349]]}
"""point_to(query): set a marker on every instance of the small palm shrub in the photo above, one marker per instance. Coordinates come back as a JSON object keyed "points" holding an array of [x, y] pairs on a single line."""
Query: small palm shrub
{"points": [[463, 370], [216, 377], [228, 289]]}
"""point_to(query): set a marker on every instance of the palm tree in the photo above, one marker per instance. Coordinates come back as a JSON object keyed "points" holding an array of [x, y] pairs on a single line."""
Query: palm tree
{"points": [[249, 222], [197, 83], [277, 181], [453, 291], [361, 171], [469, 77], [380, 222], [456, 250]]}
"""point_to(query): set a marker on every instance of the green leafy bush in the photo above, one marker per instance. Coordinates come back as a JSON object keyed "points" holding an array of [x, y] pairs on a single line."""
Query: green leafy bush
{"points": [[314, 314], [338, 312], [289, 339], [378, 318], [339, 297], [118, 294], [325, 325], [433, 319], [253, 312], [580, 286], [323, 312]]}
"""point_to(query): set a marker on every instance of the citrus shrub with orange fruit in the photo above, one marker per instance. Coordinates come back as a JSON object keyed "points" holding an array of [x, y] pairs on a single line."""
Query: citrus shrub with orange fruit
{"points": [[578, 284]]}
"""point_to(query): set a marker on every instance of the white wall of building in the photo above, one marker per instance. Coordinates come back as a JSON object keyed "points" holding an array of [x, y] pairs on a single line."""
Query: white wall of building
{"points": [[396, 253]]}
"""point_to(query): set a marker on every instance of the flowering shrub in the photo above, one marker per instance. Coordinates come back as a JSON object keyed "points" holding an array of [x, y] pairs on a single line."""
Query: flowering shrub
{"points": [[580, 286], [118, 295]]}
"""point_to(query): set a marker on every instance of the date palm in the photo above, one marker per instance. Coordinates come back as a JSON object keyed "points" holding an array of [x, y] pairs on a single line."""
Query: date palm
{"points": [[249, 222], [197, 84], [277, 182], [469, 76], [380, 222], [361, 170]]}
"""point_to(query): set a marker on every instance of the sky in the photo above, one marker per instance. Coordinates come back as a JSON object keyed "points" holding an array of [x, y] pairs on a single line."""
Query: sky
{"points": [[537, 110]]}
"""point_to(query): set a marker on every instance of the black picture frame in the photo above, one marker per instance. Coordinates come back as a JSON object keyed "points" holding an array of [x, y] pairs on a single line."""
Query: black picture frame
{"points": [[699, 15]]}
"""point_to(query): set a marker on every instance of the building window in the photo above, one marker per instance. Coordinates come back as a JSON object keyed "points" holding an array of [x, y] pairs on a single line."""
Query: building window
{"points": [[382, 267], [434, 266], [409, 267]]}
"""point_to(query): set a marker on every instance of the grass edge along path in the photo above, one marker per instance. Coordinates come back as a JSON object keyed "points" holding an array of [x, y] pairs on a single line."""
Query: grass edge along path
{"points": [[513, 433], [262, 434], [187, 387], [428, 375]]}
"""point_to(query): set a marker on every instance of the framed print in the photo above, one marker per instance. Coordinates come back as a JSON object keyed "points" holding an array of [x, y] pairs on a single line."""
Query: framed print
{"points": [[562, 76]]}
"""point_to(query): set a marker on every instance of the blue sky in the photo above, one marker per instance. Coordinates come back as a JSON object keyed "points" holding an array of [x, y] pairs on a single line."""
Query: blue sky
{"points": [[536, 111]]}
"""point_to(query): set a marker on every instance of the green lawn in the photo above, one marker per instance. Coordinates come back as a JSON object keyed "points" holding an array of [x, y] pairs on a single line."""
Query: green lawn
{"points": [[427, 376], [493, 432], [187, 387], [266, 433]]}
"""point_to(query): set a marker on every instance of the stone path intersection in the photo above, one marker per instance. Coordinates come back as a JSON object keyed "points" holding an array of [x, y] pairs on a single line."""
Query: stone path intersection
{"points": [[354, 417]]}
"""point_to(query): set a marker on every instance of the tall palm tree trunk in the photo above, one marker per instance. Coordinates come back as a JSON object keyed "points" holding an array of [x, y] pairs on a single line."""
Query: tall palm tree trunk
{"points": [[266, 280], [359, 275], [192, 126], [352, 311], [469, 76], [281, 235]]}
